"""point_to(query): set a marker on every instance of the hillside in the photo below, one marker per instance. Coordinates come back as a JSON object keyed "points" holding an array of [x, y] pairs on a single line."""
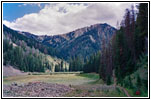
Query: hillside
{"points": [[11, 71], [84, 41], [79, 44], [27, 54], [16, 36]]}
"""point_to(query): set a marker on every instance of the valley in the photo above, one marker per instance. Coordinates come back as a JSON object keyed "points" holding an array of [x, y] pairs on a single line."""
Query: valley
{"points": [[95, 60], [82, 85]]}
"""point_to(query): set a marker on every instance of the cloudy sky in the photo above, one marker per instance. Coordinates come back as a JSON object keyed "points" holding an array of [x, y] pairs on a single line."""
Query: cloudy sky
{"points": [[60, 18]]}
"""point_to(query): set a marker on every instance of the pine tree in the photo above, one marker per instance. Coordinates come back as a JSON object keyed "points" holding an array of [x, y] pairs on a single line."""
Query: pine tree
{"points": [[62, 65], [128, 43], [141, 33], [142, 19]]}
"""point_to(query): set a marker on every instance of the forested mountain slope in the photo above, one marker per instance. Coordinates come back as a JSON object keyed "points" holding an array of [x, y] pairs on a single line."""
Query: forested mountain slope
{"points": [[28, 54], [84, 41], [81, 42], [17, 35]]}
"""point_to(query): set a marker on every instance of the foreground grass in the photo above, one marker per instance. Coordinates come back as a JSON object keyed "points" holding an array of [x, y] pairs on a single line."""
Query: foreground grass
{"points": [[95, 91], [133, 94]]}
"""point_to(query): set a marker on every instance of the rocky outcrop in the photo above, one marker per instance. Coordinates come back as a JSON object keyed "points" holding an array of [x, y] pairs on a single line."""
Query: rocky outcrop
{"points": [[35, 89]]}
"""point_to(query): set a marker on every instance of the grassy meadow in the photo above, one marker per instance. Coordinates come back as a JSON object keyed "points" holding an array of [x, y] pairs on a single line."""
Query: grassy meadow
{"points": [[85, 85], [67, 79]]}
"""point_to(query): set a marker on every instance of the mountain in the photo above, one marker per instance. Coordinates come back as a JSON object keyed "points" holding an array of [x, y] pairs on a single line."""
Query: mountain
{"points": [[30, 40], [84, 41], [81, 42]]}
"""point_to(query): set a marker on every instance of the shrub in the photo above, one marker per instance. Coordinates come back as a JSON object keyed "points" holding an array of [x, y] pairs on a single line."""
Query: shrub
{"points": [[139, 83]]}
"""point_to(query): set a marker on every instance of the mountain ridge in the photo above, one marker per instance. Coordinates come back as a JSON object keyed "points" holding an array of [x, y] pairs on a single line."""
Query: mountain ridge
{"points": [[82, 41], [86, 39]]}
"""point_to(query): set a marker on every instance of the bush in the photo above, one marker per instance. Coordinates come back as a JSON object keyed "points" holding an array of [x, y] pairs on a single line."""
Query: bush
{"points": [[143, 61], [128, 82], [139, 83]]}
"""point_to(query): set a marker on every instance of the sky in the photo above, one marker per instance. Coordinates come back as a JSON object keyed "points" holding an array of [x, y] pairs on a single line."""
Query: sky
{"points": [[60, 18]]}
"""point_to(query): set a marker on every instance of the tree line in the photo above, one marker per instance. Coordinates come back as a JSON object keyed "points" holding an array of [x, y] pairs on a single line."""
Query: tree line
{"points": [[127, 52], [130, 41], [123, 53], [61, 67]]}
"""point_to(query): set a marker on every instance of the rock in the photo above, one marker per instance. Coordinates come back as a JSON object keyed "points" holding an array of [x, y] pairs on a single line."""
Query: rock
{"points": [[14, 84], [36, 89]]}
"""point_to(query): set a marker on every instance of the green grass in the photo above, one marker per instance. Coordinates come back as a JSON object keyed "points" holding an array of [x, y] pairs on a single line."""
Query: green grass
{"points": [[115, 94], [90, 75], [66, 79], [93, 76], [90, 91], [85, 85], [98, 81], [132, 93], [53, 73], [142, 72]]}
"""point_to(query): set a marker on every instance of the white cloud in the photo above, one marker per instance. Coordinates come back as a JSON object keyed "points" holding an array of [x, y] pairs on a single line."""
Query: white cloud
{"points": [[32, 4], [61, 18]]}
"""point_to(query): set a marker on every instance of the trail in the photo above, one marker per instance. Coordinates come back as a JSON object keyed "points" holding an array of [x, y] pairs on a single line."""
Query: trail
{"points": [[125, 91], [122, 88], [114, 78]]}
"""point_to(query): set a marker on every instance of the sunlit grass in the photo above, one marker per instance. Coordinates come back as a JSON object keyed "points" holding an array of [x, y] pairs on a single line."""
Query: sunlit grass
{"points": [[66, 79], [90, 75], [87, 85]]}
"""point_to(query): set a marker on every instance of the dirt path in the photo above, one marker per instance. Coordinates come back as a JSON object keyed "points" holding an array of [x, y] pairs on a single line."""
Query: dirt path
{"points": [[125, 91], [114, 78]]}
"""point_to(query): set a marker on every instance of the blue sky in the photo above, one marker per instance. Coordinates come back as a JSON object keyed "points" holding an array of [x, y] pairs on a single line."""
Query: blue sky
{"points": [[12, 11], [60, 18]]}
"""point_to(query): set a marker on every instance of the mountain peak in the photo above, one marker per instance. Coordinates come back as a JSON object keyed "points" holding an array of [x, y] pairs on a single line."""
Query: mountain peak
{"points": [[83, 41], [80, 31]]}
